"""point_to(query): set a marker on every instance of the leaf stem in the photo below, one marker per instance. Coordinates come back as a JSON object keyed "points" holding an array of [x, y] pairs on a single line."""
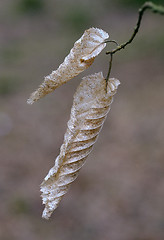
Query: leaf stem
{"points": [[109, 70]]}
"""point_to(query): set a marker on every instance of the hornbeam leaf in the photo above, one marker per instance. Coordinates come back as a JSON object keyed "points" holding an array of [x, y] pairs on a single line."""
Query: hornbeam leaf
{"points": [[90, 107], [80, 58]]}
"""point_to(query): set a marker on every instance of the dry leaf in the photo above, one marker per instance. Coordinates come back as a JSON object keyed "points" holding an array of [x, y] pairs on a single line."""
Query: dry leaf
{"points": [[90, 107], [80, 58]]}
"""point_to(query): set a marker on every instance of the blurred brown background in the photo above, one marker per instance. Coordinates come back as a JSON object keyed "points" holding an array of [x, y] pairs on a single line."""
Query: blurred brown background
{"points": [[119, 194]]}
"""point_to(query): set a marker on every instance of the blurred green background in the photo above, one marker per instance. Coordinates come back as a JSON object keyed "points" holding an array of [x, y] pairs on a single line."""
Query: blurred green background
{"points": [[120, 190]]}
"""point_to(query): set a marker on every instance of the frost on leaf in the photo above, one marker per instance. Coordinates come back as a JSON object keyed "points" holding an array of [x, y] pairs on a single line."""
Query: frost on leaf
{"points": [[90, 107], [80, 58]]}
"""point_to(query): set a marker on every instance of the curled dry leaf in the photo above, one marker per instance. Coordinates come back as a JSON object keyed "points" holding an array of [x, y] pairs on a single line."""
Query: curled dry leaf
{"points": [[80, 58], [90, 107]]}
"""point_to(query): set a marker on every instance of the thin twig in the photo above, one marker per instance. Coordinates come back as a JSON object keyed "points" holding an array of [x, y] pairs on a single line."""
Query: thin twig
{"points": [[148, 5]]}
